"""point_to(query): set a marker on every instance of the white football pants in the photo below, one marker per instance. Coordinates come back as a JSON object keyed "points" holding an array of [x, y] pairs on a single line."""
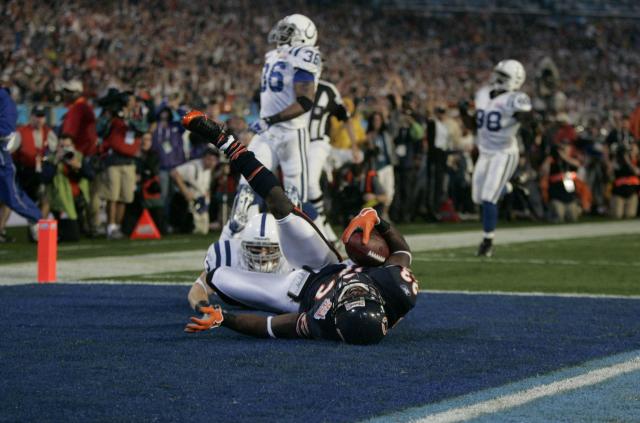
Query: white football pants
{"points": [[286, 148], [302, 245], [492, 172]]}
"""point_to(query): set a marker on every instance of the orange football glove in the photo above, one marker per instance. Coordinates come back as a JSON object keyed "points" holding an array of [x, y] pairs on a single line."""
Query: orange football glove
{"points": [[365, 221], [212, 318]]}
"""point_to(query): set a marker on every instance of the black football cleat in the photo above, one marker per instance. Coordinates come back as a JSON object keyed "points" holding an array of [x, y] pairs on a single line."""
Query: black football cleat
{"points": [[485, 249], [198, 122]]}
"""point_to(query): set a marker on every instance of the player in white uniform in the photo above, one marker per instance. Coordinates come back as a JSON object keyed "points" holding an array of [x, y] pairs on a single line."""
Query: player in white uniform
{"points": [[500, 109], [287, 90], [256, 250]]}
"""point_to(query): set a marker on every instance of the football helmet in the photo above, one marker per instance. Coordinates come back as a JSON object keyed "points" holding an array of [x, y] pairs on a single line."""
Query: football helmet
{"points": [[260, 246], [294, 30], [359, 314], [508, 75]]}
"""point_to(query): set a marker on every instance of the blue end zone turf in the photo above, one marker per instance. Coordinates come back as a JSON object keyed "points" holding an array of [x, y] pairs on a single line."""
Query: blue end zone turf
{"points": [[78, 353]]}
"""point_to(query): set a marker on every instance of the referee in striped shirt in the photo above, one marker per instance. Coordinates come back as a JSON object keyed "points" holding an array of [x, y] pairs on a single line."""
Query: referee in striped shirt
{"points": [[327, 103]]}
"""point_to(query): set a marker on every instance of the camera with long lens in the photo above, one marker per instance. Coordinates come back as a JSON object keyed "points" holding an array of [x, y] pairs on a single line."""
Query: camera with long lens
{"points": [[114, 101]]}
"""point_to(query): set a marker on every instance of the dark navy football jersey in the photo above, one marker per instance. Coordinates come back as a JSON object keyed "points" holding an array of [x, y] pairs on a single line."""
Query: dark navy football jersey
{"points": [[396, 284]]}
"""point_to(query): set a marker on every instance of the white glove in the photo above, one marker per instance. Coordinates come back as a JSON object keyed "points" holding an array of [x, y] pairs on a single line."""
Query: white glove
{"points": [[259, 126]]}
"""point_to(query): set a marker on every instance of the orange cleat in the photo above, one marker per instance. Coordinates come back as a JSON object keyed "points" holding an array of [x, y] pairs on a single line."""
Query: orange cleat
{"points": [[198, 122], [189, 117]]}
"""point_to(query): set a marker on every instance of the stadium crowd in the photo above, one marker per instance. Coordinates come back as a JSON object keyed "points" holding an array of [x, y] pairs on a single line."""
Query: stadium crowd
{"points": [[404, 76]]}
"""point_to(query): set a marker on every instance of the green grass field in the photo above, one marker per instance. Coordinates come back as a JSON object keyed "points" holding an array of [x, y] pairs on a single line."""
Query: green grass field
{"points": [[23, 251], [604, 265]]}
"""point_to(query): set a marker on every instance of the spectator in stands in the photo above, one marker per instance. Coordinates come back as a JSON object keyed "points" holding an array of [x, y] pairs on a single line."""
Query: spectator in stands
{"points": [[67, 174], [32, 143], [147, 195], [409, 150], [80, 120], [190, 205], [383, 156], [439, 144], [626, 183], [168, 146], [359, 188], [121, 130], [348, 137], [596, 165], [621, 134]]}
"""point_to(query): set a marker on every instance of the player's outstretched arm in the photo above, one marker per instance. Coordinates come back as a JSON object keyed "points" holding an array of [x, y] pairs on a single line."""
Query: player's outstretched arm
{"points": [[199, 293], [398, 246], [467, 117], [305, 92], [281, 326]]}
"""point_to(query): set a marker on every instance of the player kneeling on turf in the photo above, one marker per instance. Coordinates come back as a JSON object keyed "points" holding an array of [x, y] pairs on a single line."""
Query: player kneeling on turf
{"points": [[323, 298]]}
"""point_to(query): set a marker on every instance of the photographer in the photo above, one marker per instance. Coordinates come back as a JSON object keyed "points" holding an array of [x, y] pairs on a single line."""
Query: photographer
{"points": [[67, 173], [121, 130], [190, 205], [558, 182]]}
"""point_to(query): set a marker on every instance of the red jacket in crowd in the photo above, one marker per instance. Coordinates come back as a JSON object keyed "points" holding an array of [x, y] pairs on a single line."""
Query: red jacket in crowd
{"points": [[26, 154], [121, 139], [80, 123]]}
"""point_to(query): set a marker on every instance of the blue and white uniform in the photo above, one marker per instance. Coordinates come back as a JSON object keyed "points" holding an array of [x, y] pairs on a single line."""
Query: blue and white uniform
{"points": [[285, 144], [10, 192], [497, 128]]}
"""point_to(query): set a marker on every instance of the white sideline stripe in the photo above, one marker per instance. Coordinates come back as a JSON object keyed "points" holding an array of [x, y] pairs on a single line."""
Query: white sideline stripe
{"points": [[522, 397], [533, 294], [458, 259], [115, 266]]}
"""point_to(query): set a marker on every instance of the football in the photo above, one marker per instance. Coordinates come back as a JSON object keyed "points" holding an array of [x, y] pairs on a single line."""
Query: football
{"points": [[373, 254]]}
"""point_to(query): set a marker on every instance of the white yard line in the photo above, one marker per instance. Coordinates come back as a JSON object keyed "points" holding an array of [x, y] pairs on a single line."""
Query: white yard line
{"points": [[109, 267], [525, 396], [458, 259]]}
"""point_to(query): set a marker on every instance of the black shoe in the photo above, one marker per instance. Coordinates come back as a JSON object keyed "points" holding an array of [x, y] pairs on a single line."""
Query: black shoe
{"points": [[485, 249], [198, 122]]}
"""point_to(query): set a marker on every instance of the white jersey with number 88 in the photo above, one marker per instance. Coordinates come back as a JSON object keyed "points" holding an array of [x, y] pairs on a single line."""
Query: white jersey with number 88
{"points": [[496, 124]]}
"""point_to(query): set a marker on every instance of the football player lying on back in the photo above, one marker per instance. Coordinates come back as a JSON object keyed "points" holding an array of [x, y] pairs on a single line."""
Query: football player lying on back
{"points": [[323, 299]]}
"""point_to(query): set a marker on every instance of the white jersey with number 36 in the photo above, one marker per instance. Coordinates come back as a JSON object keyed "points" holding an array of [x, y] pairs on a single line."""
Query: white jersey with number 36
{"points": [[496, 124], [276, 86]]}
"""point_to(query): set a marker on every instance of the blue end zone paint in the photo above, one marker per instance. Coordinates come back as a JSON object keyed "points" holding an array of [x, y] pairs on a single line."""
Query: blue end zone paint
{"points": [[115, 352]]}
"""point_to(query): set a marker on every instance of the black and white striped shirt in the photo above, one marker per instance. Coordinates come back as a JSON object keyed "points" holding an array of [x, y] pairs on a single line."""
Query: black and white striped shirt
{"points": [[328, 102]]}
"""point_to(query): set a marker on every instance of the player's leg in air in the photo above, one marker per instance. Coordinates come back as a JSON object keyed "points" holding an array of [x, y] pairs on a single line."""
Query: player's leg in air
{"points": [[301, 242]]}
